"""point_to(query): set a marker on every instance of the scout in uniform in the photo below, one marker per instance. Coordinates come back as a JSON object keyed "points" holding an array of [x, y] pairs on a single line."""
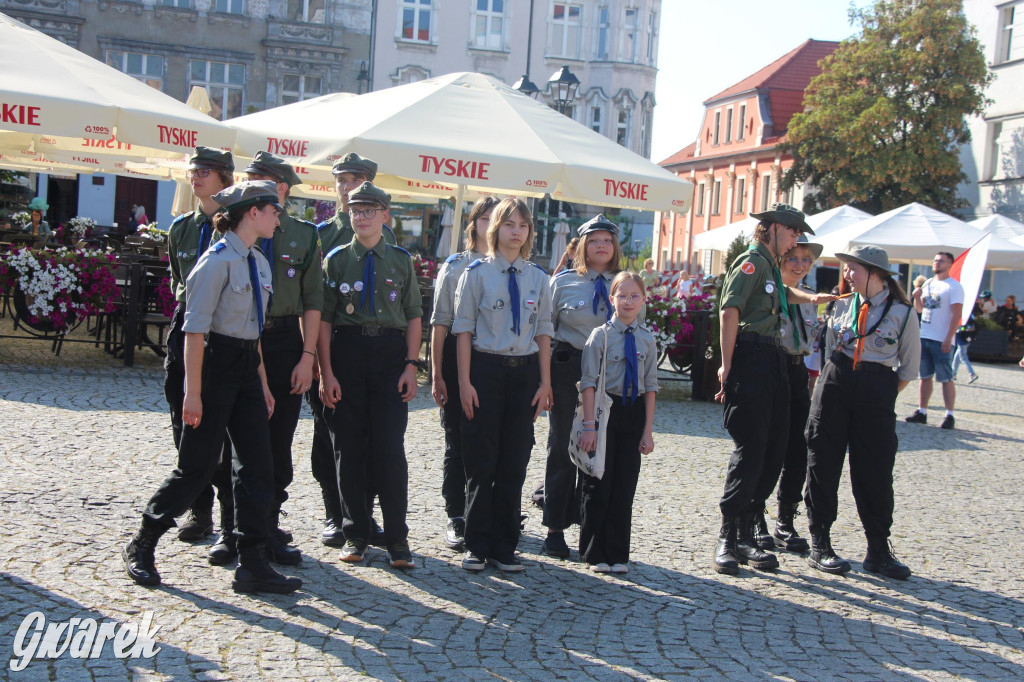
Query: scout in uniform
{"points": [[290, 332], [755, 387], [445, 373], [188, 238], [873, 350], [579, 304], [225, 389], [503, 323], [368, 352], [350, 172], [631, 380], [799, 332]]}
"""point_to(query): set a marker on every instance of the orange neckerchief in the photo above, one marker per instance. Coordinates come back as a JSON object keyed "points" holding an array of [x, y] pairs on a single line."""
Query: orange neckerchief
{"points": [[862, 325]]}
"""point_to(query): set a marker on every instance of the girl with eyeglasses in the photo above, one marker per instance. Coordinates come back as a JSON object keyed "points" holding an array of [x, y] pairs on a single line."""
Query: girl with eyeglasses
{"points": [[631, 380]]}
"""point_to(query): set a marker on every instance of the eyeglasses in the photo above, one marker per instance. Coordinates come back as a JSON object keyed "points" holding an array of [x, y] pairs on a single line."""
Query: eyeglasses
{"points": [[199, 172], [634, 298], [793, 260], [367, 213]]}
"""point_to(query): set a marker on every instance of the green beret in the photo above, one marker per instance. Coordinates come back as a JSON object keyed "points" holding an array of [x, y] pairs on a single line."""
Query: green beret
{"points": [[265, 163], [248, 193], [208, 157], [367, 193], [353, 163]]}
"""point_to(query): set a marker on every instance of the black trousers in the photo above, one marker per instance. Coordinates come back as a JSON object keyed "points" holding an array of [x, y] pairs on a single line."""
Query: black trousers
{"points": [[855, 409], [561, 483], [453, 484], [607, 518], [496, 446], [233, 401], [369, 425], [321, 456], [757, 417], [794, 466], [282, 350], [174, 392]]}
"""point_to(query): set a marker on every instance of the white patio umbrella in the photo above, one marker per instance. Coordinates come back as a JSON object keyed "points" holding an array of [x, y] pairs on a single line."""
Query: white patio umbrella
{"points": [[459, 132], [1000, 226], [720, 238], [914, 233], [59, 101]]}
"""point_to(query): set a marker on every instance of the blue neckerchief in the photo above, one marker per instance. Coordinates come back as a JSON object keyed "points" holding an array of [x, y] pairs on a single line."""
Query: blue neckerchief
{"points": [[631, 384], [368, 270], [513, 296], [254, 276], [601, 294], [204, 235]]}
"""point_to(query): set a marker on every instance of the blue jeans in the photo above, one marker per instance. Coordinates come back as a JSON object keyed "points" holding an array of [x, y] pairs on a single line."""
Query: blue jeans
{"points": [[961, 356]]}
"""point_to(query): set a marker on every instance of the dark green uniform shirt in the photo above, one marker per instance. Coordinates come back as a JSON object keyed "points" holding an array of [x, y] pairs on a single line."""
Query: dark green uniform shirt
{"points": [[183, 248], [338, 231], [295, 257], [750, 286], [396, 296]]}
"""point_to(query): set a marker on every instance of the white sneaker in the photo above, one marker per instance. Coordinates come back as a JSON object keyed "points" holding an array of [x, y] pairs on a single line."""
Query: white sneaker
{"points": [[619, 568], [974, 377], [601, 568]]}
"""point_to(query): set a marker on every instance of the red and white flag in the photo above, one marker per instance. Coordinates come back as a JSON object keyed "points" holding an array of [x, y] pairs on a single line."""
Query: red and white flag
{"points": [[968, 269]]}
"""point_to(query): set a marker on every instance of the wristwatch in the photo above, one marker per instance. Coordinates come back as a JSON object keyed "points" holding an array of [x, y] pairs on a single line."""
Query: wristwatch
{"points": [[415, 363]]}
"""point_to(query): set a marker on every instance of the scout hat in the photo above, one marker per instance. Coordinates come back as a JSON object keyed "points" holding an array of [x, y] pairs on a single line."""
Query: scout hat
{"points": [[265, 163], [871, 256], [986, 294], [367, 193], [208, 157], [786, 215], [38, 204], [353, 163], [248, 193], [816, 249], [598, 222]]}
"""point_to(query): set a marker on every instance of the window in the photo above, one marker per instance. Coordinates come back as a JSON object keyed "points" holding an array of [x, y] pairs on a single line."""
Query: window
{"points": [[622, 129], [296, 87], [148, 68], [728, 124], [716, 197], [564, 37], [700, 199], [679, 258], [628, 52], [717, 128], [224, 83], [595, 118], [664, 259], [415, 17], [603, 27], [1011, 40], [488, 23], [183, 4], [766, 190], [741, 189], [741, 132], [308, 11], [652, 28], [229, 6]]}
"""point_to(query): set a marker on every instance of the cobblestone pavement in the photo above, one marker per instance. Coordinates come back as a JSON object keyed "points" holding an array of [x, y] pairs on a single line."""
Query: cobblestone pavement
{"points": [[86, 442]]}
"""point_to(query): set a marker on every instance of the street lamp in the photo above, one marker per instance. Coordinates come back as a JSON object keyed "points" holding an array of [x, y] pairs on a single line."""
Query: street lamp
{"points": [[526, 86], [563, 84], [363, 79]]}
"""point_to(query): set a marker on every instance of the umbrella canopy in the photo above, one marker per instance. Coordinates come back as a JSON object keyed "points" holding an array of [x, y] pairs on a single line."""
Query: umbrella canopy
{"points": [[835, 219], [462, 130], [1000, 226], [59, 100], [915, 233], [720, 238]]}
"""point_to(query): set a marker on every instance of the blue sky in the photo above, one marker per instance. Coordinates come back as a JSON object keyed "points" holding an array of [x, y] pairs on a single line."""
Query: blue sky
{"points": [[694, 66]]}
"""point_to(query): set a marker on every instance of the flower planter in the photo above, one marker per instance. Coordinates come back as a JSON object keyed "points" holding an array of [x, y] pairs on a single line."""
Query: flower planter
{"points": [[21, 306]]}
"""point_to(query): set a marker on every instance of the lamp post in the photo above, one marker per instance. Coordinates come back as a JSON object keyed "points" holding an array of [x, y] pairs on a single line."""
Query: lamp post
{"points": [[563, 84], [524, 84], [363, 79]]}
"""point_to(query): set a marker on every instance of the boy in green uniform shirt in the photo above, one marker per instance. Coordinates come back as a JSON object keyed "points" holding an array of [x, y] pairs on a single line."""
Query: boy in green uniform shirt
{"points": [[368, 354]]}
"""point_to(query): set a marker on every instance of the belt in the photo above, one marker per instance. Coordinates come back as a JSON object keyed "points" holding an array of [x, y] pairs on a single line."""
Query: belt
{"points": [[369, 329], [285, 322], [505, 360], [796, 359], [215, 339], [843, 360], [565, 346], [758, 339]]}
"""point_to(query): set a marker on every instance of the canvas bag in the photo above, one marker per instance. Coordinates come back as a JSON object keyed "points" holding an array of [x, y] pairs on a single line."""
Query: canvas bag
{"points": [[592, 463]]}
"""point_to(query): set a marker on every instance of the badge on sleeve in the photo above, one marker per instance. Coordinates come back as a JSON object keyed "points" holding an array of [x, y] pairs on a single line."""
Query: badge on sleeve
{"points": [[769, 287], [290, 273], [747, 268], [393, 296], [292, 244]]}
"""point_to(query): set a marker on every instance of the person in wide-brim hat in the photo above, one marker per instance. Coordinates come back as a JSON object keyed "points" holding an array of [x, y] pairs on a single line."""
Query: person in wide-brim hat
{"points": [[784, 214]]}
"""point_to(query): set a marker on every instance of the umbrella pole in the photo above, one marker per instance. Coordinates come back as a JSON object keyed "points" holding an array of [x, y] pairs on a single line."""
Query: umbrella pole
{"points": [[457, 224]]}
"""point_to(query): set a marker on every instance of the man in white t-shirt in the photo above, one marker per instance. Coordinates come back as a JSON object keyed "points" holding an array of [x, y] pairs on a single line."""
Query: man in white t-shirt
{"points": [[940, 302]]}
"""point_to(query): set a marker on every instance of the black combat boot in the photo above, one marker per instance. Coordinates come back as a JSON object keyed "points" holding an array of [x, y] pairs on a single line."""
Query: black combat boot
{"points": [[822, 557], [278, 549], [786, 536], [725, 550], [198, 524], [225, 550], [254, 574], [749, 553], [880, 559], [762, 537], [332, 535], [139, 560]]}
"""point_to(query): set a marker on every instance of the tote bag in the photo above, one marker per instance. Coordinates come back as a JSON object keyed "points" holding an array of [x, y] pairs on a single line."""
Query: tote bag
{"points": [[592, 463]]}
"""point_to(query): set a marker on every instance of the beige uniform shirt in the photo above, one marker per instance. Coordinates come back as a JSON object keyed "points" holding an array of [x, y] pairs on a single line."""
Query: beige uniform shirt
{"points": [[895, 343], [615, 371], [798, 339], [447, 282]]}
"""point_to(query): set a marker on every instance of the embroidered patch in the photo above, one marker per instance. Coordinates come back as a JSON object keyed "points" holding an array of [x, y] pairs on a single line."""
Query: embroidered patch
{"points": [[582, 303], [533, 317], [530, 301], [880, 342], [293, 245], [747, 268], [290, 273], [393, 296]]}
